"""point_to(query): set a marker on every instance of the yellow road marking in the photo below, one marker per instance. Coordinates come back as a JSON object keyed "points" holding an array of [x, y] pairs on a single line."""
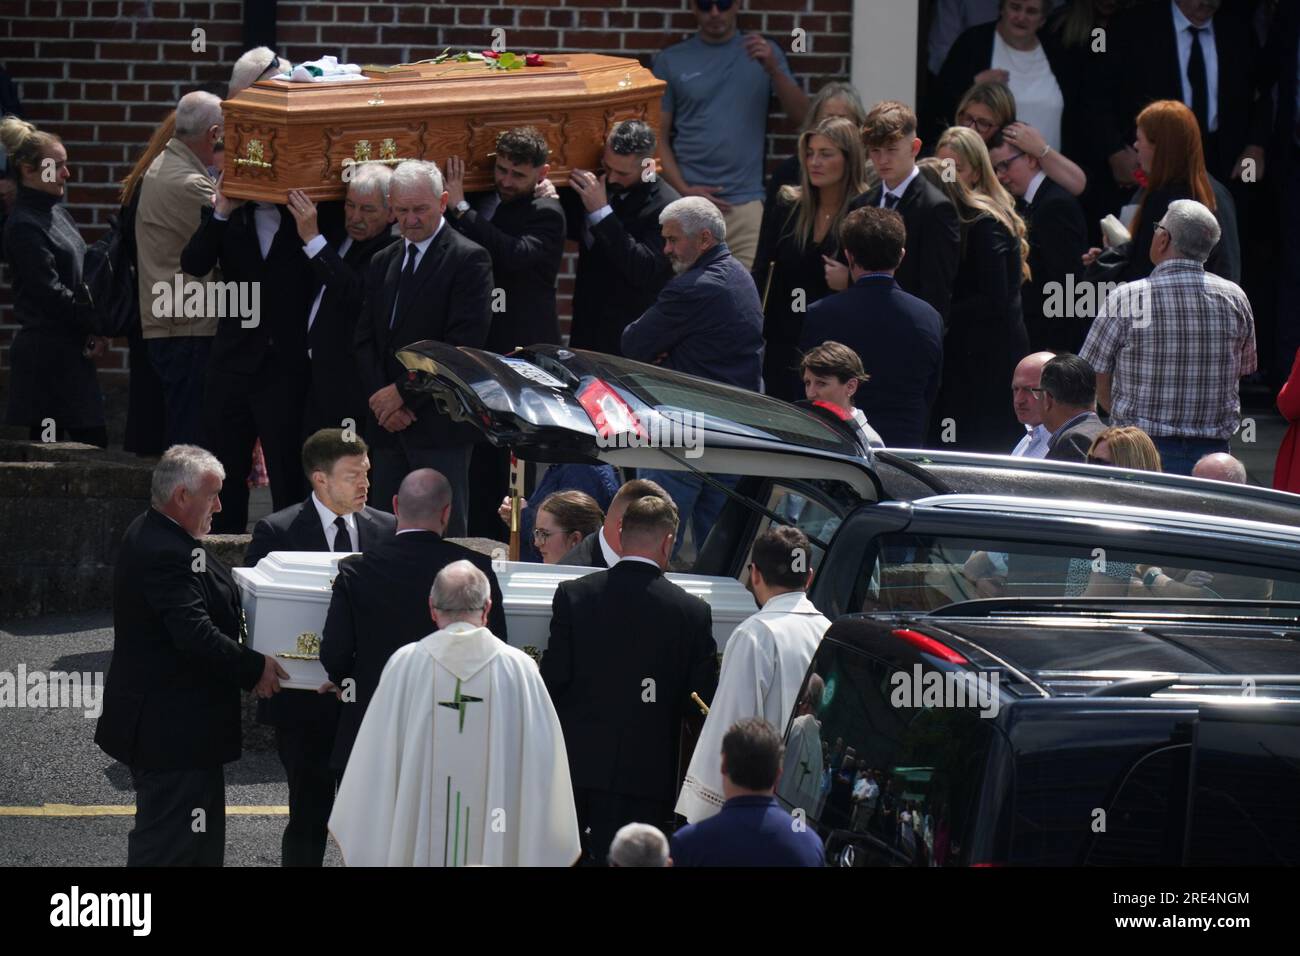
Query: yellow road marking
{"points": [[123, 810]]}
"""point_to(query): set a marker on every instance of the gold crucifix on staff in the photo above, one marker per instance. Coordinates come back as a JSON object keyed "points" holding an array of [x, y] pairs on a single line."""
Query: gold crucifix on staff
{"points": [[516, 495]]}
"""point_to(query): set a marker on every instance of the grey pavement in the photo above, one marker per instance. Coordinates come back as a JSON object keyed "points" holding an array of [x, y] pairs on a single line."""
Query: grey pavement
{"points": [[48, 756]]}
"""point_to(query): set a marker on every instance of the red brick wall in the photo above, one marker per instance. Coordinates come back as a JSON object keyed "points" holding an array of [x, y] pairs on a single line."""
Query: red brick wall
{"points": [[102, 73]]}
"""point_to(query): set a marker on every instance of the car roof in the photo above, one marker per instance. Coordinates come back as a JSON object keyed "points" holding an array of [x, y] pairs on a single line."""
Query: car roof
{"points": [[1117, 513]]}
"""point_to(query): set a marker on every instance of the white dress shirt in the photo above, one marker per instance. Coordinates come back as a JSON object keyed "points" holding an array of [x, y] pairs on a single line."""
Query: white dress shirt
{"points": [[1034, 444], [901, 188], [1034, 185], [266, 217], [312, 249], [611, 556], [1211, 53], [327, 518]]}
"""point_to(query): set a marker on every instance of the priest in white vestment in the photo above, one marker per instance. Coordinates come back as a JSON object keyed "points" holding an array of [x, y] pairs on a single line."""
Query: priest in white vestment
{"points": [[764, 662], [460, 759]]}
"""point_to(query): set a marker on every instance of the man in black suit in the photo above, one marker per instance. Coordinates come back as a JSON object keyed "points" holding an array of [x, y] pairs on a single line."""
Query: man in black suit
{"points": [[258, 372], [627, 648], [615, 221], [1180, 50], [1068, 397], [1058, 237], [339, 266], [898, 336], [381, 599], [933, 238], [524, 233], [334, 517], [602, 549], [434, 284], [171, 703]]}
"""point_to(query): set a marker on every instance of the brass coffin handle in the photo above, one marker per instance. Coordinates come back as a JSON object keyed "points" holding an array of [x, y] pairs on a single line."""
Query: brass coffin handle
{"points": [[387, 153], [254, 156]]}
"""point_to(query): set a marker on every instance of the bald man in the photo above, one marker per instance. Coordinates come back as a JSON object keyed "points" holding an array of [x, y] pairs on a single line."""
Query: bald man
{"points": [[1220, 466], [1027, 401], [381, 598]]}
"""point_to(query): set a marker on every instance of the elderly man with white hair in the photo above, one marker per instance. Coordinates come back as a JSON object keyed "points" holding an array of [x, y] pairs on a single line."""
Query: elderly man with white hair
{"points": [[639, 844], [1220, 466], [339, 261], [707, 321], [434, 284], [172, 196], [460, 760], [1170, 350], [171, 701]]}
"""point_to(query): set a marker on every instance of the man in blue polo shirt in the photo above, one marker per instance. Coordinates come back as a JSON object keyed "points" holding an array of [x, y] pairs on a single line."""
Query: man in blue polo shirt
{"points": [[751, 829], [720, 84]]}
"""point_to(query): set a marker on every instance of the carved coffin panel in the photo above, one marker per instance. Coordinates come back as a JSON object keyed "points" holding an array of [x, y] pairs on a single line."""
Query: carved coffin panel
{"points": [[282, 136]]}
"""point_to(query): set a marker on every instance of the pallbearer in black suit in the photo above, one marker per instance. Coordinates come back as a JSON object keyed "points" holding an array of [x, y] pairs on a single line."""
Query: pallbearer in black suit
{"points": [[602, 549], [381, 598], [933, 237], [434, 284], [524, 234], [615, 221], [339, 260], [333, 518], [171, 703], [258, 372], [627, 648]]}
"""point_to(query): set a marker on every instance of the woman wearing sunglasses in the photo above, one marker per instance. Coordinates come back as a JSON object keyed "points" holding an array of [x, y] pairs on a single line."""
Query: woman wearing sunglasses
{"points": [[563, 520]]}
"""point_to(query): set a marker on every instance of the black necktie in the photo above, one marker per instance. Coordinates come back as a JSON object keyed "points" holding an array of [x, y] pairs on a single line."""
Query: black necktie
{"points": [[342, 540], [407, 282], [891, 200], [1198, 81]]}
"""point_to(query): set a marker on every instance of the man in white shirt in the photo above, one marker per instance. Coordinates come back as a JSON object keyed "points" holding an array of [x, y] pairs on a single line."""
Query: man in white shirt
{"points": [[334, 517], [1026, 399]]}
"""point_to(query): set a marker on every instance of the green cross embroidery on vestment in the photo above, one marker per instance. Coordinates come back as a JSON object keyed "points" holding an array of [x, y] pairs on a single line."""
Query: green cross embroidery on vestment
{"points": [[458, 702]]}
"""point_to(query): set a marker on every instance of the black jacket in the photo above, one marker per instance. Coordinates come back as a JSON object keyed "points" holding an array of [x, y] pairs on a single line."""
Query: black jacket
{"points": [[171, 701], [899, 338], [298, 528], [525, 238], [1141, 65], [381, 603], [627, 648], [451, 304], [1073, 443], [933, 241], [1058, 238], [49, 376], [336, 390], [587, 553], [972, 53], [620, 276], [285, 290]]}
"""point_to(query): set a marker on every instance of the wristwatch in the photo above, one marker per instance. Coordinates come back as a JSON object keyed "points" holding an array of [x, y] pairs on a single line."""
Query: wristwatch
{"points": [[461, 208], [1149, 579]]}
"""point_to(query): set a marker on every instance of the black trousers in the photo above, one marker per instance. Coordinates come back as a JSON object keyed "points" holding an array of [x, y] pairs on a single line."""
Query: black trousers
{"points": [[489, 482], [179, 363], [240, 408], [169, 828], [305, 753], [391, 462], [602, 814]]}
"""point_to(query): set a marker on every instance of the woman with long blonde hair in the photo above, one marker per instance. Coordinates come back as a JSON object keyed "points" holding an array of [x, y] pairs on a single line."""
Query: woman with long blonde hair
{"points": [[986, 331], [800, 231]]}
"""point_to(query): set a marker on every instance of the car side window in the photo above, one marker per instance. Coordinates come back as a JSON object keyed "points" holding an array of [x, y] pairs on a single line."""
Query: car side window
{"points": [[816, 511], [885, 782], [912, 572]]}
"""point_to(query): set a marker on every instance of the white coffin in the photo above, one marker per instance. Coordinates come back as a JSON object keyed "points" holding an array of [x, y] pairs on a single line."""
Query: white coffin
{"points": [[286, 598]]}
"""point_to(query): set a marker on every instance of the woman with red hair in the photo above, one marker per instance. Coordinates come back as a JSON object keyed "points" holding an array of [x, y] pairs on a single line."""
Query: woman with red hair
{"points": [[1173, 167]]}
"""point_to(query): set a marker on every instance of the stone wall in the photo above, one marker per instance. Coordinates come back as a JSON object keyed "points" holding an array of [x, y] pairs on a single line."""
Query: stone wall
{"points": [[63, 510]]}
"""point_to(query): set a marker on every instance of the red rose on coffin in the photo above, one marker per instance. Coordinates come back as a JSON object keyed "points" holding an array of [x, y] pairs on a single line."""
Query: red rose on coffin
{"points": [[490, 54], [534, 59]]}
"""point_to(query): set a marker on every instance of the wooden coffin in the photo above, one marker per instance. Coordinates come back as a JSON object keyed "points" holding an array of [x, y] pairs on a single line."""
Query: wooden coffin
{"points": [[281, 136]]}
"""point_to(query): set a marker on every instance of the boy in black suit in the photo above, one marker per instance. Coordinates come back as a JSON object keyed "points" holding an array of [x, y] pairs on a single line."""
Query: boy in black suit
{"points": [[434, 284], [171, 701], [334, 517], [524, 234], [933, 237], [627, 648]]}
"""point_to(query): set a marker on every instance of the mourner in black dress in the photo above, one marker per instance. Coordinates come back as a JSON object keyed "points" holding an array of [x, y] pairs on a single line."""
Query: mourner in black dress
{"points": [[800, 232]]}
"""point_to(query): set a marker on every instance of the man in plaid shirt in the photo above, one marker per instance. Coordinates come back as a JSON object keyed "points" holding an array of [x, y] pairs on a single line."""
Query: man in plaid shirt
{"points": [[1172, 348]]}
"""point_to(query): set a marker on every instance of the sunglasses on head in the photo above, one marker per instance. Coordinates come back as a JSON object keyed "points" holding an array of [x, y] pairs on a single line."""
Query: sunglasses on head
{"points": [[722, 5]]}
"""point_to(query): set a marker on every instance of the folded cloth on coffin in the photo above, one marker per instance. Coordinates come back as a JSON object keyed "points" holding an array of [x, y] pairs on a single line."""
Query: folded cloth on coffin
{"points": [[327, 69]]}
